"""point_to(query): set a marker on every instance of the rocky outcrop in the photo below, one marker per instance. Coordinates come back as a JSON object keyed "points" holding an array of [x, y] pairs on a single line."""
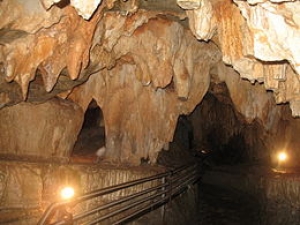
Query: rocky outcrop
{"points": [[258, 38], [151, 84], [143, 94], [44, 130], [234, 138], [143, 66], [42, 42]]}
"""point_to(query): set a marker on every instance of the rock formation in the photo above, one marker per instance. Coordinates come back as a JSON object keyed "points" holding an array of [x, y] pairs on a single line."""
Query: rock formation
{"points": [[145, 63], [44, 130], [258, 38]]}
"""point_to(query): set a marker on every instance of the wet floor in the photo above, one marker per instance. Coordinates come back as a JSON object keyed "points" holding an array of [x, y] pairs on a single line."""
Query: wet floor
{"points": [[220, 206]]}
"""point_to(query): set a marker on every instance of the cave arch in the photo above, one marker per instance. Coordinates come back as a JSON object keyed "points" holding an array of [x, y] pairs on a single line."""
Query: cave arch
{"points": [[217, 132], [92, 134], [223, 132]]}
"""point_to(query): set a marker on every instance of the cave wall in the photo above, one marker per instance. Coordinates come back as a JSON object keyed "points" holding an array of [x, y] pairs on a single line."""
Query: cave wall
{"points": [[140, 101], [232, 138], [225, 133], [258, 38], [44, 130], [143, 66]]}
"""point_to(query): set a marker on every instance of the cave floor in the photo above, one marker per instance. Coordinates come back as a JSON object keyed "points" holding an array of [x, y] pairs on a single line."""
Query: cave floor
{"points": [[220, 206]]}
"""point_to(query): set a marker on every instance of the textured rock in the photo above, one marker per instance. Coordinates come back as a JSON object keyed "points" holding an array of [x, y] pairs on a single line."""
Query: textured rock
{"points": [[83, 8], [44, 130], [251, 100], [229, 131], [189, 4], [202, 21], [141, 59], [43, 42], [142, 96], [258, 38], [275, 40]]}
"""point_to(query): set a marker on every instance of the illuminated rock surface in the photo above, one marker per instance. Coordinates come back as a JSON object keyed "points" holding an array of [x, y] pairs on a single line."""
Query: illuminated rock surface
{"points": [[43, 130], [232, 65], [258, 38], [142, 63]]}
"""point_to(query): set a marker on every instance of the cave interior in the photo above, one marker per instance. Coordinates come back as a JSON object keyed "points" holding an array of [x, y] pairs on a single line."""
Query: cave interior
{"points": [[150, 84]]}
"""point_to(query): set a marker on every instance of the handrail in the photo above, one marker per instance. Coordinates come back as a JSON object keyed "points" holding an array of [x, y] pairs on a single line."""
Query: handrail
{"points": [[171, 183]]}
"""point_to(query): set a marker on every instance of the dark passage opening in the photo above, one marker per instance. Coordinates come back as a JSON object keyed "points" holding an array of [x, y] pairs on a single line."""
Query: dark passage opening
{"points": [[92, 134], [221, 140], [181, 148], [224, 134], [226, 144], [216, 131]]}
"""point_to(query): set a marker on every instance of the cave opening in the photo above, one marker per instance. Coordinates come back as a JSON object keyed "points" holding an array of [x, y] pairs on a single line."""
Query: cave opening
{"points": [[92, 134], [219, 132], [227, 145], [216, 131], [222, 133]]}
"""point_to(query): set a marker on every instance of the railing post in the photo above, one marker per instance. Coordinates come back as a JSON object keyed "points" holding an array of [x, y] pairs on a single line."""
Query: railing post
{"points": [[170, 185], [163, 181]]}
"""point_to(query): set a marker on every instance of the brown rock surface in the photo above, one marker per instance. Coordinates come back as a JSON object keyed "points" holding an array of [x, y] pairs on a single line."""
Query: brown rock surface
{"points": [[141, 97], [258, 38], [43, 130], [43, 42], [144, 67]]}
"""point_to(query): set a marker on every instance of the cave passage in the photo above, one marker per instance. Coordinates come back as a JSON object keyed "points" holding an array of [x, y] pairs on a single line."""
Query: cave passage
{"points": [[223, 133], [216, 135], [217, 132], [92, 134]]}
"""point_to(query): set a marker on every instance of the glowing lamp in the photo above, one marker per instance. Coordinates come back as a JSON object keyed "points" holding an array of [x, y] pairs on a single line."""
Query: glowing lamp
{"points": [[67, 193], [282, 156]]}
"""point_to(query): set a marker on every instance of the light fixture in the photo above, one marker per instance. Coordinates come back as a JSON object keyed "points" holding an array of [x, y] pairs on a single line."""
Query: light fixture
{"points": [[281, 162], [67, 193], [282, 156]]}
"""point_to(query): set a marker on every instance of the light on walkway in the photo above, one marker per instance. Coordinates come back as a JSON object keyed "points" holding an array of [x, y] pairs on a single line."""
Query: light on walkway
{"points": [[281, 162], [282, 156], [67, 193]]}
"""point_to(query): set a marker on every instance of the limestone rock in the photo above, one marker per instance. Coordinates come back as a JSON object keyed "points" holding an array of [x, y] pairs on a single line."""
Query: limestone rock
{"points": [[142, 95], [43, 42], [48, 3], [189, 4], [203, 22], [144, 66], [85, 8], [44, 130], [251, 100], [258, 38]]}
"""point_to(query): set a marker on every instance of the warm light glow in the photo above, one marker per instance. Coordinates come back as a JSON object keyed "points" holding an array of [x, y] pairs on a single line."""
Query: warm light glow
{"points": [[67, 193], [282, 156]]}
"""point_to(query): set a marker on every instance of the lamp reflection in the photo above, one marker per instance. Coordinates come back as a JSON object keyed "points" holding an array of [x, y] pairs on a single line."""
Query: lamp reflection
{"points": [[281, 162]]}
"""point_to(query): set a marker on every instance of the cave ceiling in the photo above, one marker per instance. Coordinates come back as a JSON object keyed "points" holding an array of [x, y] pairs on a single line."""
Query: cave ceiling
{"points": [[48, 47], [147, 62]]}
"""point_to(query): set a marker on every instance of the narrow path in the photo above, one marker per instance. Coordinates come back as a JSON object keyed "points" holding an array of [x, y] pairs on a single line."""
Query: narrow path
{"points": [[220, 206]]}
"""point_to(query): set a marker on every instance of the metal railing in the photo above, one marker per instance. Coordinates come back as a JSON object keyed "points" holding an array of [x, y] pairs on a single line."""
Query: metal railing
{"points": [[163, 187]]}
